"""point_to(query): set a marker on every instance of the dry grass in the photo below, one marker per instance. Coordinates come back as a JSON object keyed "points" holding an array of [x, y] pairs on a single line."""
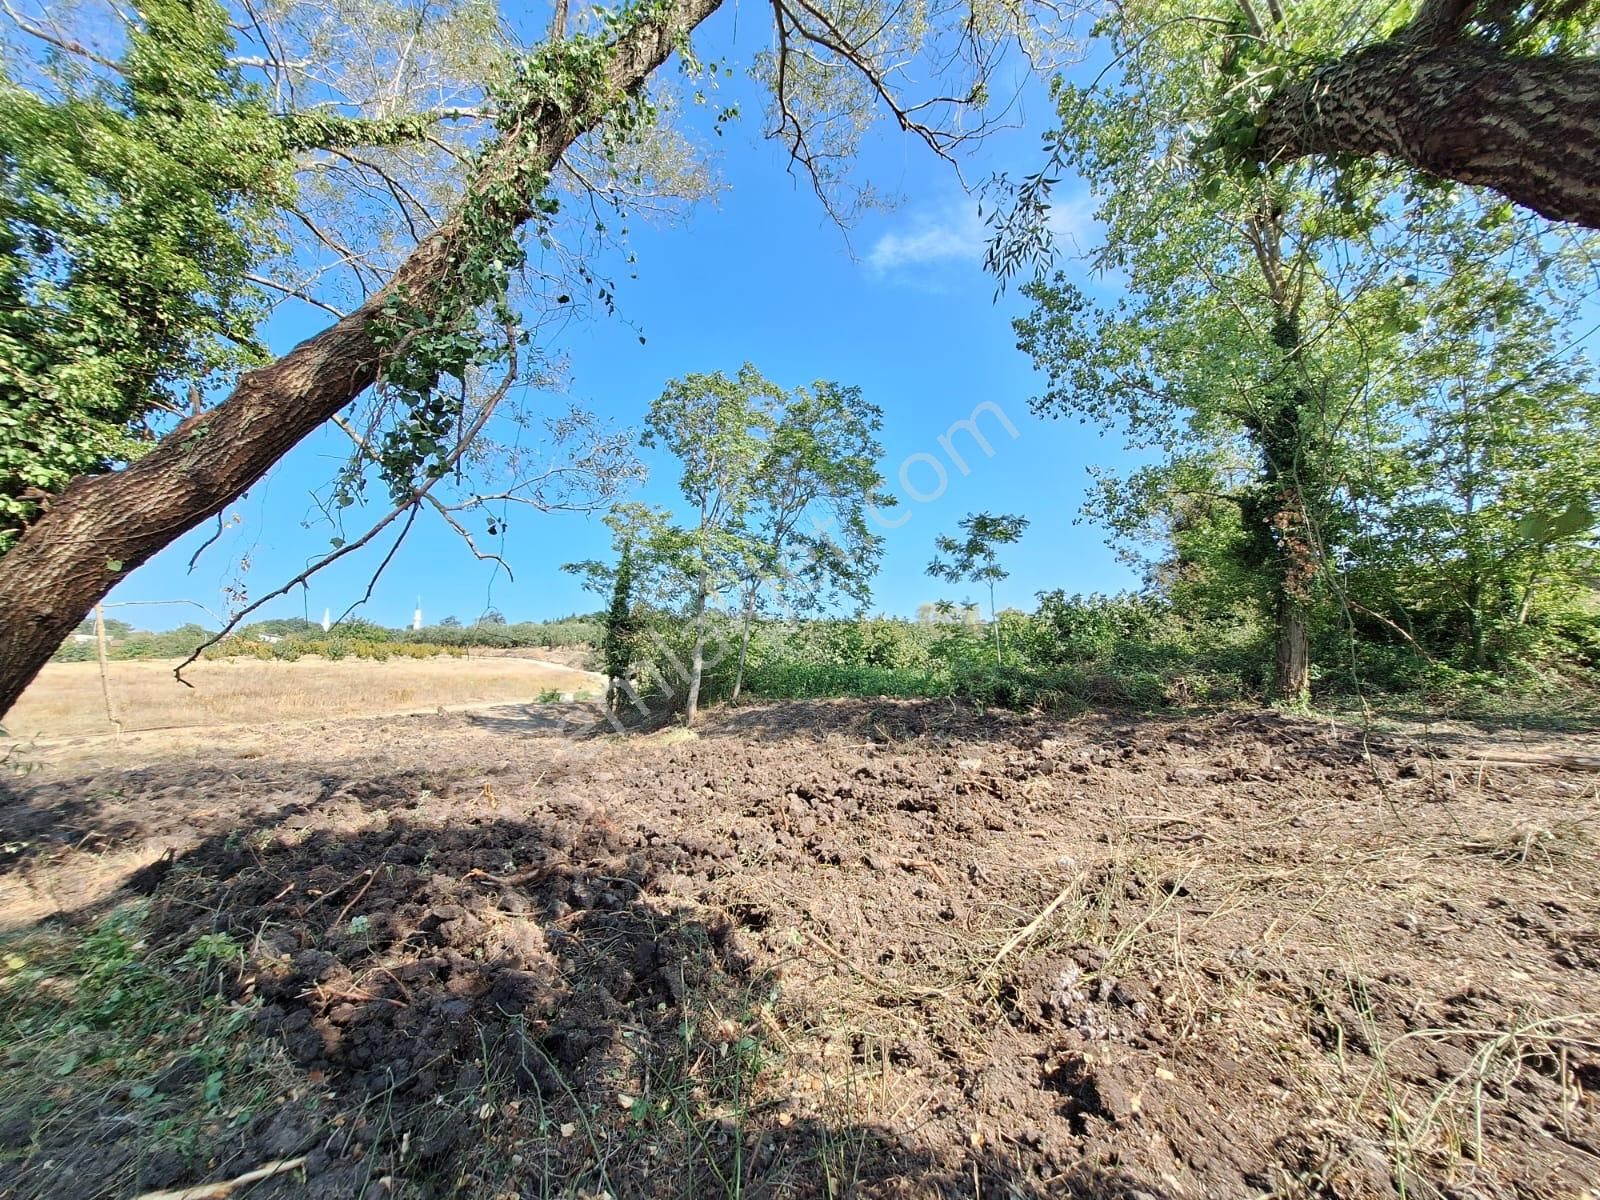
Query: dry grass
{"points": [[66, 699]]}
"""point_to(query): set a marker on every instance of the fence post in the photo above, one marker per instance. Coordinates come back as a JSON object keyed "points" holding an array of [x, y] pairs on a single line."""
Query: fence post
{"points": [[105, 680]]}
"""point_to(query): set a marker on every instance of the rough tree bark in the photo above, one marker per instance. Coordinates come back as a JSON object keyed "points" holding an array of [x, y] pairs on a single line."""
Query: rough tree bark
{"points": [[1459, 107], [1291, 668], [102, 527]]}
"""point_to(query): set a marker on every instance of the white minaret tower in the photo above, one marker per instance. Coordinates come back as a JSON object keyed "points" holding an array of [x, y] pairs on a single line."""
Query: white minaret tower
{"points": [[416, 617], [327, 619]]}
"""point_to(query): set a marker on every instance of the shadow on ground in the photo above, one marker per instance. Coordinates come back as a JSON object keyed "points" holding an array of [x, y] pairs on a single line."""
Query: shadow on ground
{"points": [[490, 1007], [539, 720]]}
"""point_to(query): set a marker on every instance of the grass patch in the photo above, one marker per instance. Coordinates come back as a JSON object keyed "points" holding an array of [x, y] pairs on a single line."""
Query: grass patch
{"points": [[126, 1065], [815, 681]]}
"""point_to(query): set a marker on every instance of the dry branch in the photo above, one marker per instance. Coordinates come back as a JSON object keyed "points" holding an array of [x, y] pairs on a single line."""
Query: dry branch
{"points": [[215, 1191]]}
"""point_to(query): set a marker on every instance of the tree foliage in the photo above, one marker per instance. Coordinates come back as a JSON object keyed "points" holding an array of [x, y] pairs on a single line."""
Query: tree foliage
{"points": [[976, 557], [132, 208], [620, 643], [1276, 334], [776, 484]]}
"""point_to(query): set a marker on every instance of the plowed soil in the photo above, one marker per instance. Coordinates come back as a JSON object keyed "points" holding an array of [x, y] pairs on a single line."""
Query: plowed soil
{"points": [[853, 949]]}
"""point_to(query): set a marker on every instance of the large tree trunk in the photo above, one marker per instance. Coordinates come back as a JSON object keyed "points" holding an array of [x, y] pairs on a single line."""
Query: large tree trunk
{"points": [[1292, 487], [1291, 670], [1460, 108], [102, 527]]}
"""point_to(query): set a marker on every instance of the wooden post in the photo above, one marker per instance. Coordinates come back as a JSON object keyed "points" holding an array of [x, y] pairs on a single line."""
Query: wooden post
{"points": [[105, 680]]}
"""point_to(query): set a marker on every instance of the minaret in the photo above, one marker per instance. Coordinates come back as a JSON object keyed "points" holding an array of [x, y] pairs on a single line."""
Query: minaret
{"points": [[416, 617], [327, 619]]}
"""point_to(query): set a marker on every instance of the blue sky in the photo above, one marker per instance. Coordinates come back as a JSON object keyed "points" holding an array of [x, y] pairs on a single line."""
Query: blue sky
{"points": [[900, 307]]}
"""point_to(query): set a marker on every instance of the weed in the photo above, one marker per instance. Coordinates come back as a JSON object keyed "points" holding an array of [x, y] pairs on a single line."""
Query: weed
{"points": [[98, 1024]]}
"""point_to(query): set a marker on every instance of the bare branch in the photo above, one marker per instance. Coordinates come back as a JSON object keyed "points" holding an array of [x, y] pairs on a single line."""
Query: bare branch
{"points": [[411, 503], [263, 281], [59, 41]]}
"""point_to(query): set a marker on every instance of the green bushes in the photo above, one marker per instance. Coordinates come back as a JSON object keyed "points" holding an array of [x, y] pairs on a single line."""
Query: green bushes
{"points": [[335, 649], [561, 634], [355, 638], [1074, 652], [288, 649], [811, 681], [236, 646]]}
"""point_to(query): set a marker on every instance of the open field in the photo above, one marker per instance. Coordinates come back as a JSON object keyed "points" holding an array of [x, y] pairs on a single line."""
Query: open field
{"points": [[66, 698], [889, 949]]}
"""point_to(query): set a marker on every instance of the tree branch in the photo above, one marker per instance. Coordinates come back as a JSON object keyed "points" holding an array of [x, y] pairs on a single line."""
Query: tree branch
{"points": [[102, 527], [1526, 126], [57, 40]]}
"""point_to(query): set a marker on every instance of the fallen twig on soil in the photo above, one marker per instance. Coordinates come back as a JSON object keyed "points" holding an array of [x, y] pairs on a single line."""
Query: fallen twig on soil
{"points": [[215, 1191], [1032, 927], [368, 874], [1569, 762], [882, 984], [371, 875]]}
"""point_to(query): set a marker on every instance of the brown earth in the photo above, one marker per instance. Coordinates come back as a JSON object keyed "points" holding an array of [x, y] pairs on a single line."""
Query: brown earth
{"points": [[851, 949]]}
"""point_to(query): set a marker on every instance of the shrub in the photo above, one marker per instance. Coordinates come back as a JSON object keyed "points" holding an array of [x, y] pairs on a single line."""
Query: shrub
{"points": [[809, 681]]}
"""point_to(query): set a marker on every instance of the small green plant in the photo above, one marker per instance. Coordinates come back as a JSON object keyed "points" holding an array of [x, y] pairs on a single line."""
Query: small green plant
{"points": [[94, 1020]]}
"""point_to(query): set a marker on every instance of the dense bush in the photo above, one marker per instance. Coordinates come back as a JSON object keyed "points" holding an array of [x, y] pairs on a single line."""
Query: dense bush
{"points": [[566, 632], [1074, 652], [810, 681], [354, 636]]}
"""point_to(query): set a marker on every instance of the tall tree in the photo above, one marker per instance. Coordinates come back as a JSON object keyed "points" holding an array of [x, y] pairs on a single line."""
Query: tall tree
{"points": [[1479, 514], [435, 322], [1263, 314], [818, 475], [619, 645], [975, 558], [718, 428]]}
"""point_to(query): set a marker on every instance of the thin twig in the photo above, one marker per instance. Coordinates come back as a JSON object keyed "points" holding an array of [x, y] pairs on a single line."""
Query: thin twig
{"points": [[1033, 926]]}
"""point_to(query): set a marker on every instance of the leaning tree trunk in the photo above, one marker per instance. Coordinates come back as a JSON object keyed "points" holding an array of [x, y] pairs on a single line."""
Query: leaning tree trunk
{"points": [[102, 527], [1460, 108]]}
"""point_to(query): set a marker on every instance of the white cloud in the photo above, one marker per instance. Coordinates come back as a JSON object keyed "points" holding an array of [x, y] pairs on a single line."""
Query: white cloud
{"points": [[957, 234]]}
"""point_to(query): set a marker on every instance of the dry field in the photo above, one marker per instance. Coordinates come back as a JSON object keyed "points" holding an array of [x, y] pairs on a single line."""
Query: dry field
{"points": [[66, 699], [877, 950]]}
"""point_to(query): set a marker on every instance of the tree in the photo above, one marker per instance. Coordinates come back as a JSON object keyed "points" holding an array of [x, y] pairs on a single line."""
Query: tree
{"points": [[717, 428], [450, 623], [619, 646], [818, 475], [433, 329], [1480, 515], [1263, 322], [1506, 96], [113, 627], [975, 559], [492, 616]]}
